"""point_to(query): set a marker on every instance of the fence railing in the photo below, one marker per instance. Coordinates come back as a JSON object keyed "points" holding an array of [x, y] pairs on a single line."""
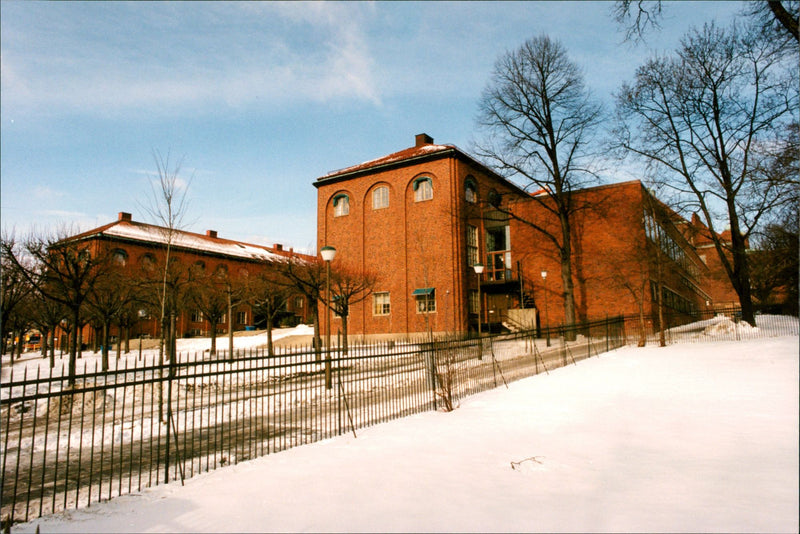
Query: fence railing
{"points": [[141, 424]]}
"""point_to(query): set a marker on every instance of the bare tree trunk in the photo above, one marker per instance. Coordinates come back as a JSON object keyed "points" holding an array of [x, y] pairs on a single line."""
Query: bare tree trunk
{"points": [[104, 348], [214, 338], [230, 324]]}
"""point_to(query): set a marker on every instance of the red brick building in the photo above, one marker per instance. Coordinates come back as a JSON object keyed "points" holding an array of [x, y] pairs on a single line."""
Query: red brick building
{"points": [[138, 248], [421, 218]]}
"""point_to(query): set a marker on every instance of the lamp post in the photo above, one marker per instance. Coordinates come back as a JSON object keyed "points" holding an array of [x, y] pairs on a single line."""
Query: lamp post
{"points": [[478, 270], [546, 319], [328, 253]]}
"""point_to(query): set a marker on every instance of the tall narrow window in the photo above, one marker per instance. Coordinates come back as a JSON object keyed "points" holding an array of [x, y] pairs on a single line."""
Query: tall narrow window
{"points": [[381, 304], [423, 189], [472, 245], [380, 198], [474, 303], [341, 205]]}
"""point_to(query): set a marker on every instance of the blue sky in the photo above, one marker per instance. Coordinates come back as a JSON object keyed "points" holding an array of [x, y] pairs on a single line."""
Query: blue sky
{"points": [[260, 99]]}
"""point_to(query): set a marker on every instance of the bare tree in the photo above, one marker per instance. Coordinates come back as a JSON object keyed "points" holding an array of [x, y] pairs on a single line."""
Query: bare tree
{"points": [[168, 206], [15, 286], [308, 278], [776, 18], [539, 119], [636, 17], [65, 270], [267, 293], [705, 119], [48, 315], [775, 263], [209, 292], [348, 287], [108, 297]]}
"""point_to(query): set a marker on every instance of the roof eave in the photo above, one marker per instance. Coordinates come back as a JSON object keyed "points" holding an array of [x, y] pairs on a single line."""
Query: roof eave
{"points": [[347, 175]]}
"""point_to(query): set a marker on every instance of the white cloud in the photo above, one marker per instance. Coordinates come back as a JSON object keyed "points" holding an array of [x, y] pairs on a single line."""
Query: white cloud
{"points": [[235, 55]]}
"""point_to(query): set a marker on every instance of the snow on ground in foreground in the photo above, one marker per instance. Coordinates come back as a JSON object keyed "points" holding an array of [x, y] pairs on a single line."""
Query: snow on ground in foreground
{"points": [[684, 438]]}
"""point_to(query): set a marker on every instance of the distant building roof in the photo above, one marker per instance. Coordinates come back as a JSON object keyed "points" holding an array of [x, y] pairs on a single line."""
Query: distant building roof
{"points": [[128, 230]]}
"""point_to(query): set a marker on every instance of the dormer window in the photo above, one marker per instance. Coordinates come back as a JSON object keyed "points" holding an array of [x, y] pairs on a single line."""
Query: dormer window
{"points": [[341, 205], [423, 189]]}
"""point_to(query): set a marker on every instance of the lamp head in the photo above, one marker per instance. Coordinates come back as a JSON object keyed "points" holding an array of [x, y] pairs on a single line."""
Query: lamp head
{"points": [[544, 275], [328, 253]]}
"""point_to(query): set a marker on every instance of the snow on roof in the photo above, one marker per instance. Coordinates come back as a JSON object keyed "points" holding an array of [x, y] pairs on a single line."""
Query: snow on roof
{"points": [[392, 158], [157, 234]]}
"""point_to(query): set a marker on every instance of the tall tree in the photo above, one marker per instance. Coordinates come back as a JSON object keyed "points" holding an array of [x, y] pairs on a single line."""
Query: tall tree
{"points": [[538, 119], [704, 120], [168, 206]]}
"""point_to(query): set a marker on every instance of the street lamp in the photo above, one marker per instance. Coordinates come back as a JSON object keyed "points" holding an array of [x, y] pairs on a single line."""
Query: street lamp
{"points": [[328, 253], [546, 319], [478, 270]]}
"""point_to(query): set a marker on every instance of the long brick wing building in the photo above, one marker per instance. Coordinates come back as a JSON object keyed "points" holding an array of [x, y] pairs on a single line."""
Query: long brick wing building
{"points": [[421, 218]]}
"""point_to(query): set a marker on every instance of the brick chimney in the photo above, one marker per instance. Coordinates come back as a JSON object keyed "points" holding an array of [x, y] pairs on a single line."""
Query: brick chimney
{"points": [[423, 139], [211, 233], [278, 247], [124, 216]]}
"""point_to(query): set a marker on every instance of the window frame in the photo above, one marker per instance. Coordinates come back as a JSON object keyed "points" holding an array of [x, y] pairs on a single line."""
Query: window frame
{"points": [[425, 300], [119, 257], [422, 192], [473, 249], [470, 191], [341, 205], [385, 306], [380, 197]]}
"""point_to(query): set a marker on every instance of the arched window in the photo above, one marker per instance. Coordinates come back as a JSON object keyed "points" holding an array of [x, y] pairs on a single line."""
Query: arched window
{"points": [[380, 197], [148, 262], [470, 190], [119, 257], [423, 189], [341, 205]]}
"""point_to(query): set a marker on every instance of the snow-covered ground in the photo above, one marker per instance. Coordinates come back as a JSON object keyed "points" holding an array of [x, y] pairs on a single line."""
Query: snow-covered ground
{"points": [[691, 437]]}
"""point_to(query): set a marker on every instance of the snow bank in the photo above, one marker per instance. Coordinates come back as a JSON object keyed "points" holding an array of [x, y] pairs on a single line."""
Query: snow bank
{"points": [[699, 438]]}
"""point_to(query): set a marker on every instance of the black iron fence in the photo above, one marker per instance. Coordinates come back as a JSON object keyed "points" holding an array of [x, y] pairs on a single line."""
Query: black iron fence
{"points": [[707, 326], [141, 424]]}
